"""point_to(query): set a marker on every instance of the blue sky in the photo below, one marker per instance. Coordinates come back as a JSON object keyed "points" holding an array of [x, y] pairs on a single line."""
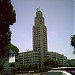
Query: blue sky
{"points": [[59, 20]]}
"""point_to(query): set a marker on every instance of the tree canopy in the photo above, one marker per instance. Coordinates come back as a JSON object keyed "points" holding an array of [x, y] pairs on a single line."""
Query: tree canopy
{"points": [[73, 42], [7, 18], [7, 14], [11, 50], [50, 62]]}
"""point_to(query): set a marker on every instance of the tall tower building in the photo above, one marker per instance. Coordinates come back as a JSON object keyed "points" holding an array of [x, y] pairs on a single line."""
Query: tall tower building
{"points": [[39, 35], [40, 51]]}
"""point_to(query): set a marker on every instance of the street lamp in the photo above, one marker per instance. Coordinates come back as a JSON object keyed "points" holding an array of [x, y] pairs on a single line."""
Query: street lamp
{"points": [[38, 68]]}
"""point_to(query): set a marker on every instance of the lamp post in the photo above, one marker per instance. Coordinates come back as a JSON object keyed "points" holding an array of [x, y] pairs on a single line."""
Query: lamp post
{"points": [[38, 68], [38, 63]]}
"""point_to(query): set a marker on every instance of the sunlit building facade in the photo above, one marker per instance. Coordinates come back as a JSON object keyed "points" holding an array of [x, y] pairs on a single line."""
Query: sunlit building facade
{"points": [[40, 49], [39, 35]]}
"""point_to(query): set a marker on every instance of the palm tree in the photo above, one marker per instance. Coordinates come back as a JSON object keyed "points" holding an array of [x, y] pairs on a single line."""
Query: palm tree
{"points": [[73, 42]]}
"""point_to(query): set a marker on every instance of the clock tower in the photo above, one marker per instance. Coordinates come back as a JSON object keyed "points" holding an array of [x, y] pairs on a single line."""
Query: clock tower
{"points": [[39, 35]]}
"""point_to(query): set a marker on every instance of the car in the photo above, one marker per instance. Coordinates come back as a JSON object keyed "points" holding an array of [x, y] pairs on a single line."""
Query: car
{"points": [[68, 69], [57, 72]]}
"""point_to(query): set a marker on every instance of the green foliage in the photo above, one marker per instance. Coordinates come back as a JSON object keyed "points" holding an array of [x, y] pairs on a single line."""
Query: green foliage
{"points": [[48, 62], [12, 64], [73, 41], [45, 69], [14, 70], [1, 74], [7, 14], [12, 49], [24, 68], [7, 18]]}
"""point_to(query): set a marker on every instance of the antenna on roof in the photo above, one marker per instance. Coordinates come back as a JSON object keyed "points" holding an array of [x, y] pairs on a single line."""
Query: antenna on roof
{"points": [[37, 9]]}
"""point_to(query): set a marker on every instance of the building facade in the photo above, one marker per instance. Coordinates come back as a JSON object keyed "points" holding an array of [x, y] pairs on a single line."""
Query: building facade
{"points": [[40, 49], [39, 35], [60, 58], [29, 58], [33, 57]]}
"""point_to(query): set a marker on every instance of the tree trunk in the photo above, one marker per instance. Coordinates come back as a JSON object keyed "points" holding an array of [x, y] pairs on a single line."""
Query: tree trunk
{"points": [[4, 40]]}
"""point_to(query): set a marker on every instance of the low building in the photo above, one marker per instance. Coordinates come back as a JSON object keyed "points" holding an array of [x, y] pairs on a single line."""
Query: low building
{"points": [[28, 58], [8, 66], [33, 58], [60, 58]]}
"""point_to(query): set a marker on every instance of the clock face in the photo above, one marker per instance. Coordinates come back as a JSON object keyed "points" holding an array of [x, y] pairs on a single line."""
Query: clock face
{"points": [[37, 20]]}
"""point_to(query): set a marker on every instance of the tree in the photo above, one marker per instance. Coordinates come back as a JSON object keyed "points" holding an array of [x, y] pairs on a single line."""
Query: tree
{"points": [[11, 50], [13, 70], [7, 18], [73, 42], [49, 63]]}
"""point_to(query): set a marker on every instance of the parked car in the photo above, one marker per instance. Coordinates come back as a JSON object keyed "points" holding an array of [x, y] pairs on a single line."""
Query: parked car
{"points": [[57, 72]]}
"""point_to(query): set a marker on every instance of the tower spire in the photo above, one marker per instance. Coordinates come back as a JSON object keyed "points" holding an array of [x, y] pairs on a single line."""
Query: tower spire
{"points": [[37, 9]]}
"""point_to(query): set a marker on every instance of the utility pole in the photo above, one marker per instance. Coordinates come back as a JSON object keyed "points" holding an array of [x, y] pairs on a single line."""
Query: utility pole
{"points": [[38, 68]]}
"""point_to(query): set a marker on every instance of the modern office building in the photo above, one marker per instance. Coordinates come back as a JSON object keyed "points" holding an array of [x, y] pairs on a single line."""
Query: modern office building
{"points": [[40, 49]]}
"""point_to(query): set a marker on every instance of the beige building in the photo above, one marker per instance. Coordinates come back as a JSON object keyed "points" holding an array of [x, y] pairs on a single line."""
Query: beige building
{"points": [[60, 58], [33, 58], [29, 58], [40, 50], [39, 35]]}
